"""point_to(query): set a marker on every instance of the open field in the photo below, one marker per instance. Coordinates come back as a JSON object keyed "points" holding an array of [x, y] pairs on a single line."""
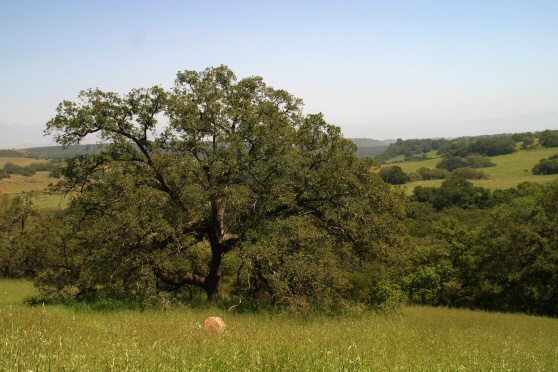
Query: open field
{"points": [[17, 183], [416, 338], [37, 183], [22, 162], [509, 171]]}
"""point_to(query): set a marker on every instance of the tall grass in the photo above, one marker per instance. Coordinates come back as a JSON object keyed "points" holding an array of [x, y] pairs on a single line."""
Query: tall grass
{"points": [[418, 338]]}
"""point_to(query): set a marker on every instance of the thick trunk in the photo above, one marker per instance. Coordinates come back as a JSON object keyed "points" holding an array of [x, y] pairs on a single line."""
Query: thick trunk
{"points": [[212, 287], [212, 282], [217, 234]]}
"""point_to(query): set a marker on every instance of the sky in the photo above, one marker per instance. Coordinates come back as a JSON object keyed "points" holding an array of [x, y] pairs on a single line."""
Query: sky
{"points": [[378, 69]]}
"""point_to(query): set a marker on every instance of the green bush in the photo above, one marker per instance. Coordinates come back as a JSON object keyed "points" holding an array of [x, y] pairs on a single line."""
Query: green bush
{"points": [[432, 174], [549, 138], [547, 166], [394, 175], [470, 174]]}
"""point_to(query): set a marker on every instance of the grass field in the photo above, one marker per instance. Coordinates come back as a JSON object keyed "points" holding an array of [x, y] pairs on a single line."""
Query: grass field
{"points": [[17, 183], [37, 183], [59, 338], [22, 162], [509, 171]]}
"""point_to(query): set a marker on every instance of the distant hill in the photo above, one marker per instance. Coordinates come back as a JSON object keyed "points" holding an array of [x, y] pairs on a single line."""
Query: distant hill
{"points": [[18, 154], [381, 150], [369, 148], [370, 152], [55, 152], [368, 142]]}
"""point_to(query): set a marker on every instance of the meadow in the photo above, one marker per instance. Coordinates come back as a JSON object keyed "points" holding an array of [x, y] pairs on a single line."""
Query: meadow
{"points": [[21, 161], [509, 171], [56, 338]]}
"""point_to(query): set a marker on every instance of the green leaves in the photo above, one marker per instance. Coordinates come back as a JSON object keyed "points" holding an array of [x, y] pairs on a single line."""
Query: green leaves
{"points": [[205, 165]]}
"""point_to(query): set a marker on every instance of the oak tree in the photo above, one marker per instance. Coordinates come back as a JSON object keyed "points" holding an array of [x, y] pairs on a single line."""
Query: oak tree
{"points": [[192, 173]]}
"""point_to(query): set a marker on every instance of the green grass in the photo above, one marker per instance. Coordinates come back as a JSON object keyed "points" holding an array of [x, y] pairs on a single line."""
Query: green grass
{"points": [[515, 168], [38, 183], [416, 339], [50, 201], [509, 171]]}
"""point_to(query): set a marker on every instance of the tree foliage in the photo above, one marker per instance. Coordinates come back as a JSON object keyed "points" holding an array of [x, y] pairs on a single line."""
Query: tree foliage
{"points": [[508, 262], [432, 174], [456, 191], [519, 255], [547, 166], [236, 172], [21, 231], [527, 140], [493, 146], [549, 138], [452, 163], [30, 170], [411, 149], [394, 175]]}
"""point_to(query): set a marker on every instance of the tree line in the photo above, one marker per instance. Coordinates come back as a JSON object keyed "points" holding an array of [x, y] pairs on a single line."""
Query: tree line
{"points": [[9, 168]]}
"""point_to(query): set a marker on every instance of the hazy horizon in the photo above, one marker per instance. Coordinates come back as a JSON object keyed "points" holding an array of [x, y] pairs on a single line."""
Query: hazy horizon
{"points": [[31, 136], [380, 70]]}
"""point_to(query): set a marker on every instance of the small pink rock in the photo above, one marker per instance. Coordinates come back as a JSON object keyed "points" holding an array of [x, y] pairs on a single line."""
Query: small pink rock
{"points": [[214, 324]]}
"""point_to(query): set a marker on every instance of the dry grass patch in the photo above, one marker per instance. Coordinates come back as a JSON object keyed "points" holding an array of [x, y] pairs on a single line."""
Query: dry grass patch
{"points": [[18, 184]]}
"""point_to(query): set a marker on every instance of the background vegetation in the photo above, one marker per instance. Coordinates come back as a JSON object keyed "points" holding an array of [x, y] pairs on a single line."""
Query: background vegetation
{"points": [[445, 211], [244, 198]]}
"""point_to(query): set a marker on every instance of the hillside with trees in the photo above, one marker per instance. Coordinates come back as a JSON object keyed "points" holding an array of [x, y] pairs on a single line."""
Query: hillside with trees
{"points": [[242, 197]]}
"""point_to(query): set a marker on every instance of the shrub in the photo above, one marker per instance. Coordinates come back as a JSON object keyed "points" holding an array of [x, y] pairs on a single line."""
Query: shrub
{"points": [[493, 146], [547, 166], [451, 163], [470, 174], [479, 161], [549, 138], [432, 174], [394, 175]]}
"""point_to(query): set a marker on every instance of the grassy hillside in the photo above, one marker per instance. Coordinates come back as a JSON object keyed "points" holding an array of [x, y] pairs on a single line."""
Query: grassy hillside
{"points": [[38, 183], [510, 169], [21, 161], [18, 184], [55, 152], [369, 152], [18, 154], [416, 338]]}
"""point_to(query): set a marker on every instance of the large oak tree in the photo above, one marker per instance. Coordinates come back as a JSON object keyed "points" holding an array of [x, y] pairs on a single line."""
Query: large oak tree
{"points": [[215, 162]]}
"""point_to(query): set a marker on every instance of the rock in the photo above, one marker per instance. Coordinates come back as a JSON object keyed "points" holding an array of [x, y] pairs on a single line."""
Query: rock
{"points": [[214, 324]]}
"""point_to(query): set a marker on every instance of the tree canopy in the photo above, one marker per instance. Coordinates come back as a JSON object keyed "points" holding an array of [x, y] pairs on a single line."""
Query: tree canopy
{"points": [[547, 165], [214, 165]]}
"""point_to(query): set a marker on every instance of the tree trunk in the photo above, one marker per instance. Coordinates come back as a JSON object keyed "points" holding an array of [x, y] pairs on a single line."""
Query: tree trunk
{"points": [[212, 287], [212, 282]]}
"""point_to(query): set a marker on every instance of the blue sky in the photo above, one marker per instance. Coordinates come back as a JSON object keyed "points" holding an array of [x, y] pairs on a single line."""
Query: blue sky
{"points": [[378, 69]]}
